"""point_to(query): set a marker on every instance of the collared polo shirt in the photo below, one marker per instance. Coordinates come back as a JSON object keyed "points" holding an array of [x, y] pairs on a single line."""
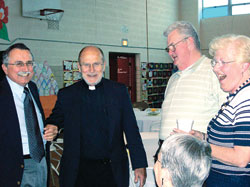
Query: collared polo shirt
{"points": [[193, 93]]}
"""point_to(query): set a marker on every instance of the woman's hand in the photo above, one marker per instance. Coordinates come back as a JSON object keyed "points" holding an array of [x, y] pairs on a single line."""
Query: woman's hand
{"points": [[175, 131], [198, 134]]}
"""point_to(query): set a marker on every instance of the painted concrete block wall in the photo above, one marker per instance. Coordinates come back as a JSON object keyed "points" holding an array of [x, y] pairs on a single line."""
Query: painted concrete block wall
{"points": [[160, 15], [106, 22], [94, 22], [190, 11], [213, 27]]}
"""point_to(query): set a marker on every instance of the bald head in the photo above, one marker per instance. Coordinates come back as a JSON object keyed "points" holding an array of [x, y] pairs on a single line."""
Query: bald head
{"points": [[91, 49], [91, 64]]}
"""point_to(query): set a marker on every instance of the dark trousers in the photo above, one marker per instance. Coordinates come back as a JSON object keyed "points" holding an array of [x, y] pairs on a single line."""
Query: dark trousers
{"points": [[95, 173]]}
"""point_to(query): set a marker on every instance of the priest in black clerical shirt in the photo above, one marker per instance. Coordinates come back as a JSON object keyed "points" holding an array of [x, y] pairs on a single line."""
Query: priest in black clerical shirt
{"points": [[95, 113]]}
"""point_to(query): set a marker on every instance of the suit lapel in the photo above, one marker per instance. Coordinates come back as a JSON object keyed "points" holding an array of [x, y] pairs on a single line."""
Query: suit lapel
{"points": [[6, 98], [108, 102], [9, 118], [78, 114]]}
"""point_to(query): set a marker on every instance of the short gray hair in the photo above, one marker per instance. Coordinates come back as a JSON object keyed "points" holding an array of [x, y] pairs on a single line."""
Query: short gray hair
{"points": [[20, 46], [185, 28], [187, 159]]}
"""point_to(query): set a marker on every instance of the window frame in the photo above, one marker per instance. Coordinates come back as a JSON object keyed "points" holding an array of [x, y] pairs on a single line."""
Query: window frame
{"points": [[229, 5]]}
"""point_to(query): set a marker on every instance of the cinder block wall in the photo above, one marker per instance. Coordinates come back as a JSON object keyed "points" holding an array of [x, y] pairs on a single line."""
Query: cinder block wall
{"points": [[94, 22], [105, 22]]}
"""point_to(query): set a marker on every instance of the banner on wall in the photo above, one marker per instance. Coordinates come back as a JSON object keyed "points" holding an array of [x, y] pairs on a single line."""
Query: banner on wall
{"points": [[45, 79], [3, 21]]}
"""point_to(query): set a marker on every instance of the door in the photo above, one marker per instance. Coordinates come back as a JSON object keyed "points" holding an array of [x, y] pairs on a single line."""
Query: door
{"points": [[122, 69]]}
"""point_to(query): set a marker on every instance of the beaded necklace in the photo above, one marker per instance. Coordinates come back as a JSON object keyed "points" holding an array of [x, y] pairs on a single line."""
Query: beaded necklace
{"points": [[231, 96]]}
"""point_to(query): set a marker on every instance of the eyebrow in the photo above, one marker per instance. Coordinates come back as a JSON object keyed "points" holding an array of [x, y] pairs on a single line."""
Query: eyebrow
{"points": [[19, 61]]}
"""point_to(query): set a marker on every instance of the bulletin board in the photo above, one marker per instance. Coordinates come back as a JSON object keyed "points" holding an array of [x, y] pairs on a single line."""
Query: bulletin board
{"points": [[154, 79], [71, 72]]}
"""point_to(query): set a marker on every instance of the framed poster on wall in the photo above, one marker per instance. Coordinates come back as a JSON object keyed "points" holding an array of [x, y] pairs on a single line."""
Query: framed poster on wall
{"points": [[71, 73]]}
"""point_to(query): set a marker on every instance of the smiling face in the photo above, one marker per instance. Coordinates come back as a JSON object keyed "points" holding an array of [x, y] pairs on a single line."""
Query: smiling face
{"points": [[20, 75], [181, 53], [230, 75], [91, 65]]}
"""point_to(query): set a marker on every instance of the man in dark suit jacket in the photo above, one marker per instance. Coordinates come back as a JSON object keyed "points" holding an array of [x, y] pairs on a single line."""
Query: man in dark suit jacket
{"points": [[2, 75], [95, 114], [17, 166]]}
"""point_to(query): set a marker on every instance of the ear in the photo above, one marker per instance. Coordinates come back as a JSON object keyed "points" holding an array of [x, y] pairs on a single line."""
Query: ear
{"points": [[245, 66], [79, 67], [104, 66], [5, 69], [165, 173], [166, 176], [190, 42]]}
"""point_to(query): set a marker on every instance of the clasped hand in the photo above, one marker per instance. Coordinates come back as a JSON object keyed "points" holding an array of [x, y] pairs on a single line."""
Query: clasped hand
{"points": [[50, 132]]}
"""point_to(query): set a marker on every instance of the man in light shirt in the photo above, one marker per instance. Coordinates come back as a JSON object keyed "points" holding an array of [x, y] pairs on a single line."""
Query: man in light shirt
{"points": [[193, 92], [18, 166]]}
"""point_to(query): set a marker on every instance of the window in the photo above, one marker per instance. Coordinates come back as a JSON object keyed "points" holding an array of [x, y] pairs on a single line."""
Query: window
{"points": [[218, 8]]}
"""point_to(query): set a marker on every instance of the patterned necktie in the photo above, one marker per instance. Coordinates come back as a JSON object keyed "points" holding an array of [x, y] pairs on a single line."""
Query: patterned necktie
{"points": [[34, 136]]}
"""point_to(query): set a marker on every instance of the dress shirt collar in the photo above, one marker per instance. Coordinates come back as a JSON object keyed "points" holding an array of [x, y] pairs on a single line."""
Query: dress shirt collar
{"points": [[16, 88]]}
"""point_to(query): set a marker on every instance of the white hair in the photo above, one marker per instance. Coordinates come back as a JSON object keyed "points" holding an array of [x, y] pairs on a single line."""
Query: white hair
{"points": [[187, 159]]}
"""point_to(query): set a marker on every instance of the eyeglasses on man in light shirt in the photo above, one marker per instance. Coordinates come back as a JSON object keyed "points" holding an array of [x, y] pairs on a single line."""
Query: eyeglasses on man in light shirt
{"points": [[172, 47]]}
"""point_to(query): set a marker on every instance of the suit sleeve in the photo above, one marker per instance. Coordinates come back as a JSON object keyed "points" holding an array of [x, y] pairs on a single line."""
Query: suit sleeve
{"points": [[135, 146]]}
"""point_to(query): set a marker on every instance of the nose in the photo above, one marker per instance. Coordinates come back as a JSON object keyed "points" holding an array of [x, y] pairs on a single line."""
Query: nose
{"points": [[25, 67], [91, 68]]}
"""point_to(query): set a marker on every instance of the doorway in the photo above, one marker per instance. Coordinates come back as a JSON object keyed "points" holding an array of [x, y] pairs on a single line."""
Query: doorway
{"points": [[122, 69]]}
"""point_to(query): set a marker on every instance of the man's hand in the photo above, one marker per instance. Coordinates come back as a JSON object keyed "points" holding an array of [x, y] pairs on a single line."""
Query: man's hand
{"points": [[142, 175], [50, 132]]}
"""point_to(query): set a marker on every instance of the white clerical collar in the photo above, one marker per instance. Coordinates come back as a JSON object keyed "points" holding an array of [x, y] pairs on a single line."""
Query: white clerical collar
{"points": [[91, 87]]}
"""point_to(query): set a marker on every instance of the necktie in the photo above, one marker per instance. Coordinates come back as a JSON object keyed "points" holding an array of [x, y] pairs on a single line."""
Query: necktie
{"points": [[34, 136]]}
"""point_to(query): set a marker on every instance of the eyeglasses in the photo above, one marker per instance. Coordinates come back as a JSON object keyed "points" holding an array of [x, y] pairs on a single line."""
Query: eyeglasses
{"points": [[220, 62], [95, 66], [21, 64], [172, 47]]}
